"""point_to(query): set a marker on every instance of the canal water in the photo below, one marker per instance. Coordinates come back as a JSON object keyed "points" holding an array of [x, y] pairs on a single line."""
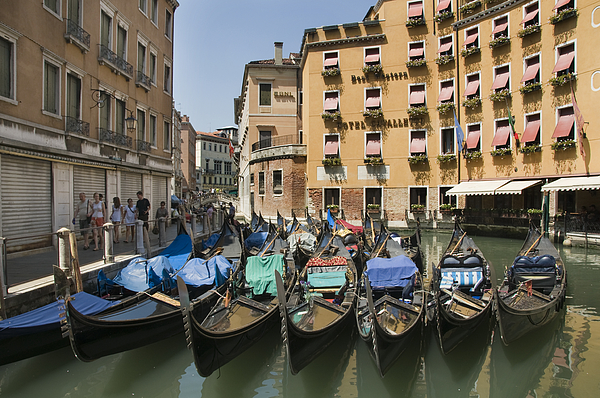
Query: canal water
{"points": [[560, 361]]}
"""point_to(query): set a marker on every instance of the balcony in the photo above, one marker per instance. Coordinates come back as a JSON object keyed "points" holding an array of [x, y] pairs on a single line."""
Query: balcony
{"points": [[114, 62], [278, 147], [143, 146], [77, 35], [143, 81], [114, 138], [76, 126]]}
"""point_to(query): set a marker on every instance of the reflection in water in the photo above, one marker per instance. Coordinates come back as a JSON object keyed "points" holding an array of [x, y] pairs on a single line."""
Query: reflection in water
{"points": [[561, 360]]}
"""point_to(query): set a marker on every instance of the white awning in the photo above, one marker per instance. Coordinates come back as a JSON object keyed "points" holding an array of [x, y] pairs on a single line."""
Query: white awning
{"points": [[573, 184], [476, 187], [516, 187]]}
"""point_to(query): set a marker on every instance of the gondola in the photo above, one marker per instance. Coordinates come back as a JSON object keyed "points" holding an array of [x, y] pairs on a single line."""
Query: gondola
{"points": [[462, 285], [228, 244], [322, 303], [282, 225], [533, 290], [369, 234], [391, 304], [242, 315]]}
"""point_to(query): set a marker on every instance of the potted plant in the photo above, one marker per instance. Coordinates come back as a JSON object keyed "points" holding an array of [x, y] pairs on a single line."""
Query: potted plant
{"points": [[331, 115], [465, 52], [558, 81], [472, 155], [562, 145], [501, 152], [336, 161], [376, 68], [499, 41], [529, 30], [330, 72], [444, 59], [500, 95], [445, 107], [373, 208], [415, 159], [562, 15], [333, 208], [412, 22], [373, 161], [416, 111], [445, 158], [534, 213], [530, 87], [469, 7], [530, 148], [413, 63], [472, 103], [373, 113], [442, 15], [447, 208], [415, 208]]}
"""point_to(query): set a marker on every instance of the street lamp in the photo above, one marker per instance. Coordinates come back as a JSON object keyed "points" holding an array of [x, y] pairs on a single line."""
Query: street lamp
{"points": [[131, 121]]}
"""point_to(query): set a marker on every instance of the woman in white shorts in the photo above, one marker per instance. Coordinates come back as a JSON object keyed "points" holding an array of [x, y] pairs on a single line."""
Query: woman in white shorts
{"points": [[116, 217], [129, 211]]}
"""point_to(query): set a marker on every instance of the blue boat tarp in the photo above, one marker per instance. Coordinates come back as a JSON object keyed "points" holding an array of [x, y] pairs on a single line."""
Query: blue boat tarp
{"points": [[198, 272], [390, 272], [175, 199], [260, 273], [178, 251], [256, 239], [137, 276], [210, 242], [47, 317]]}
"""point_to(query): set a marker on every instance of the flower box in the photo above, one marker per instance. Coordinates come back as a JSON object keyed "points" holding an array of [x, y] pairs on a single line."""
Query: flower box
{"points": [[373, 207], [445, 107], [562, 79], [413, 22], [332, 162], [417, 208], [374, 161], [333, 208], [563, 145], [501, 152], [377, 68], [444, 59], [562, 15], [441, 16], [331, 115], [450, 157], [531, 148], [500, 95], [413, 63], [469, 7], [531, 87], [472, 155], [417, 159], [529, 30], [472, 103], [499, 42], [373, 113], [465, 52], [416, 111], [330, 72]]}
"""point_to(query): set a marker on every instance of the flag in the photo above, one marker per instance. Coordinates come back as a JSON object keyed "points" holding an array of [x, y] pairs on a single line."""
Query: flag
{"points": [[231, 150], [511, 121], [460, 135], [580, 122]]}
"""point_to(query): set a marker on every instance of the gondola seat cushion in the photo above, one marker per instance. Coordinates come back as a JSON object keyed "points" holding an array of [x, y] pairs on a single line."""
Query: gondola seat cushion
{"points": [[469, 278], [461, 261], [541, 270], [260, 273], [545, 263], [327, 276]]}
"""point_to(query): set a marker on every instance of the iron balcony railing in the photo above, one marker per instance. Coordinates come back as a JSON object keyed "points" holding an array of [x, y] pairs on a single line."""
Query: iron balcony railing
{"points": [[115, 138], [143, 80], [275, 141], [74, 31], [115, 62], [76, 126], [143, 146]]}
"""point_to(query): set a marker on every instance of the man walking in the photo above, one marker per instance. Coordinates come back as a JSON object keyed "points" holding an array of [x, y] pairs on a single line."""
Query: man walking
{"points": [[81, 214], [143, 208]]}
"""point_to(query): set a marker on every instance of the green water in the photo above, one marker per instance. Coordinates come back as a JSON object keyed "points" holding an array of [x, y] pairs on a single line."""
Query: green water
{"points": [[560, 361]]}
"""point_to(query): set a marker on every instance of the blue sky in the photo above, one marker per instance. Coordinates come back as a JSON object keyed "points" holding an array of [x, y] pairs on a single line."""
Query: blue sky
{"points": [[215, 39]]}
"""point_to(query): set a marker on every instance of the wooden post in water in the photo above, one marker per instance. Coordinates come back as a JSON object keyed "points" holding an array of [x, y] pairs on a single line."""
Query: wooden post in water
{"points": [[64, 250], [109, 233], [75, 271]]}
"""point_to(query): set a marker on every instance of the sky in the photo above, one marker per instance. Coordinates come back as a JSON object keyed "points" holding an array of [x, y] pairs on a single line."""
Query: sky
{"points": [[215, 39]]}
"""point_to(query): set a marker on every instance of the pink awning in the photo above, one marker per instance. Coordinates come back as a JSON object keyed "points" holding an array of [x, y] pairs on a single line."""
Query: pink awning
{"points": [[564, 61], [500, 27], [443, 5], [417, 145], [564, 125], [372, 57], [373, 102], [473, 139], [501, 137], [472, 87], [445, 47], [417, 97], [446, 93], [529, 16], [373, 145], [531, 131], [416, 52], [332, 61], [331, 145], [531, 72], [561, 3], [471, 37], [501, 80], [331, 103], [415, 9]]}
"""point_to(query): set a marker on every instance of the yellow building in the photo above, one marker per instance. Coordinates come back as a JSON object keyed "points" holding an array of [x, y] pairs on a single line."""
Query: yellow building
{"points": [[73, 75], [380, 97]]}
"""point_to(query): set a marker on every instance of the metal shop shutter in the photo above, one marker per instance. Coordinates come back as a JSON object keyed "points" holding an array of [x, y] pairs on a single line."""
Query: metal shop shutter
{"points": [[131, 183], [26, 202], [89, 180], [159, 193]]}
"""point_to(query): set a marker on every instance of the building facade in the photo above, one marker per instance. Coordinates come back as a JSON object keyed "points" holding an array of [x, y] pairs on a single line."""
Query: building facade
{"points": [[177, 179], [272, 157], [73, 74], [215, 165], [188, 157], [381, 95]]}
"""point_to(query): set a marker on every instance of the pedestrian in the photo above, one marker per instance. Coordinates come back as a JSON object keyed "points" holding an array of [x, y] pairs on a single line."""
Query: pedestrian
{"points": [[116, 216], [161, 212], [209, 216], [129, 221], [98, 214], [231, 211], [143, 208], [81, 215]]}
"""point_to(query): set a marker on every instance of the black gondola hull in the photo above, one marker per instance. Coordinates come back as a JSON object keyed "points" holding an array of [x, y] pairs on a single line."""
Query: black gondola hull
{"points": [[453, 330]]}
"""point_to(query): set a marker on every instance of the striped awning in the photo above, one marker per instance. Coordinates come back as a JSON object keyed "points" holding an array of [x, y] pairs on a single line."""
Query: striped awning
{"points": [[477, 187], [573, 184], [516, 187]]}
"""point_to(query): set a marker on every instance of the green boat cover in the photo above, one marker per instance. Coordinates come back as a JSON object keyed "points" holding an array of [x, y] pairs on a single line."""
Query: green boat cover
{"points": [[260, 273]]}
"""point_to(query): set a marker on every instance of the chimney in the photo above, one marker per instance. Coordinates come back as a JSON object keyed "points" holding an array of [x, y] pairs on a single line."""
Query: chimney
{"points": [[278, 53]]}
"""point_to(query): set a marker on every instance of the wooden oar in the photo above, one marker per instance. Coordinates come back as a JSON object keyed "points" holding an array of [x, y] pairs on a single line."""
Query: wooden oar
{"points": [[382, 245], [534, 244], [458, 244], [269, 246]]}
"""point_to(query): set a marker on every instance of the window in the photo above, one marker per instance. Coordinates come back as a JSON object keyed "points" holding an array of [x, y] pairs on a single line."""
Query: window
{"points": [[166, 136], [417, 95], [418, 142], [153, 68], [207, 164], [446, 48], [372, 56], [373, 196], [168, 24], [122, 43], [209, 146], [74, 11], [120, 117], [502, 78], [261, 182], [472, 38], [154, 12], [53, 6], [562, 5], [373, 144], [51, 88], [141, 125], [446, 92], [447, 140], [500, 27], [73, 96], [105, 30], [418, 196], [153, 130], [167, 79], [331, 196], [565, 124], [532, 70], [502, 134], [143, 6], [472, 89], [474, 137], [446, 200], [227, 168], [331, 146], [218, 164], [204, 146], [7, 67], [416, 50], [415, 10], [265, 94], [331, 101], [331, 60], [531, 135], [141, 59], [565, 57], [277, 182], [443, 6], [372, 98], [251, 178], [265, 139], [105, 111], [531, 14]]}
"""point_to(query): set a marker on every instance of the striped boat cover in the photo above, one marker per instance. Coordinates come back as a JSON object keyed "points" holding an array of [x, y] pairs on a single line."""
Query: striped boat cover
{"points": [[465, 278]]}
